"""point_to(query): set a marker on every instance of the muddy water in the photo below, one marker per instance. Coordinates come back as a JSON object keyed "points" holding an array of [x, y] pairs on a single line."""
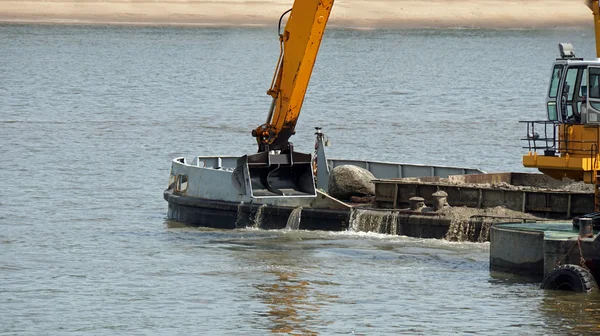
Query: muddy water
{"points": [[90, 118]]}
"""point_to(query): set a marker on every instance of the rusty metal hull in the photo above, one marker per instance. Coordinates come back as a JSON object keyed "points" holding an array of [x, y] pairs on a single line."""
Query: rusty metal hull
{"points": [[418, 224], [514, 191]]}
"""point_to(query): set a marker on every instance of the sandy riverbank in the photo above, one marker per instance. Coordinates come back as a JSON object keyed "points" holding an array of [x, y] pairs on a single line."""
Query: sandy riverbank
{"points": [[346, 13]]}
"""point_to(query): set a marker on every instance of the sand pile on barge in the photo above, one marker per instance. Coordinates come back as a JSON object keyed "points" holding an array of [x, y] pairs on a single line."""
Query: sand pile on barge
{"points": [[498, 212], [541, 183], [573, 186], [357, 14]]}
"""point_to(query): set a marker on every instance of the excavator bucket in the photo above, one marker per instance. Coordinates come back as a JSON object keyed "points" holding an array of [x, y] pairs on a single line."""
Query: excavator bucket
{"points": [[275, 175]]}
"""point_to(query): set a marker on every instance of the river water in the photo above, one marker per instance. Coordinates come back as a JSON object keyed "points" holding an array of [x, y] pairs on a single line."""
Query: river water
{"points": [[90, 118]]}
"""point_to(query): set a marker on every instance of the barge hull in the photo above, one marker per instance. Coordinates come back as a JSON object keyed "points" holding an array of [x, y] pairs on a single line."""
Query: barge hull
{"points": [[196, 211]]}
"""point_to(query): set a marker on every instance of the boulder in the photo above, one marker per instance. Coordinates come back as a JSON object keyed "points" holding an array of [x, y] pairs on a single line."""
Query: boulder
{"points": [[347, 181]]}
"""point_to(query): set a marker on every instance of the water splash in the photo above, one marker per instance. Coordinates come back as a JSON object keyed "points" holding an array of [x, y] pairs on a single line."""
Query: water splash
{"points": [[353, 221], [293, 222], [484, 234], [374, 221], [394, 223], [258, 217], [240, 216], [474, 230], [460, 230]]}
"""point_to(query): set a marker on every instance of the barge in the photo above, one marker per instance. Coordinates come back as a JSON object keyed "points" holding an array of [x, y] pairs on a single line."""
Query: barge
{"points": [[278, 187], [202, 193], [415, 200]]}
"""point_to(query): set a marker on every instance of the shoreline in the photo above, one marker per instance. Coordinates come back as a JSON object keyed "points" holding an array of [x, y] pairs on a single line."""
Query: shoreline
{"points": [[363, 14], [334, 25]]}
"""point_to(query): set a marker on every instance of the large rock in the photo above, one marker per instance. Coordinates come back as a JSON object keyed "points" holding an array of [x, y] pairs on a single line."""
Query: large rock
{"points": [[347, 181]]}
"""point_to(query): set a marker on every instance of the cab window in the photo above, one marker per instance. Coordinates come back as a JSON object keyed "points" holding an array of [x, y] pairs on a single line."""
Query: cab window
{"points": [[571, 95], [552, 115], [556, 74], [594, 83], [570, 81]]}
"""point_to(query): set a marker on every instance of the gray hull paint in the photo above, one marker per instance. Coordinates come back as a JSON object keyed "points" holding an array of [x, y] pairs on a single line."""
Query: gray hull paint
{"points": [[203, 193]]}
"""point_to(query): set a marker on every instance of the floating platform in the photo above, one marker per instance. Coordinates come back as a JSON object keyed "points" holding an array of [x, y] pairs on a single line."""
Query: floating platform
{"points": [[536, 249]]}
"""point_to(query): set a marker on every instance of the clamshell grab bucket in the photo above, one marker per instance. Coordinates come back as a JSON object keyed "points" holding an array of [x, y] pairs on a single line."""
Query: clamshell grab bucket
{"points": [[275, 175]]}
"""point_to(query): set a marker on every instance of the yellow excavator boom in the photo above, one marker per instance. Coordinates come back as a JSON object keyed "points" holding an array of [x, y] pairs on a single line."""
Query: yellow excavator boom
{"points": [[277, 170], [593, 5], [300, 42]]}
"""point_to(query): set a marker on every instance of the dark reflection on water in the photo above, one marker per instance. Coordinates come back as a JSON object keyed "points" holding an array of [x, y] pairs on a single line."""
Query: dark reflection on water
{"points": [[293, 306], [502, 278], [90, 118]]}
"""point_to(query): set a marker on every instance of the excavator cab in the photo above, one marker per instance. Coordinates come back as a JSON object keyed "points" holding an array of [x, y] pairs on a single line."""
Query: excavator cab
{"points": [[566, 144]]}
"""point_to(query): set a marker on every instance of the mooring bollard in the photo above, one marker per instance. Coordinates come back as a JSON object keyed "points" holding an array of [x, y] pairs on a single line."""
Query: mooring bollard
{"points": [[416, 203], [586, 228], [440, 200]]}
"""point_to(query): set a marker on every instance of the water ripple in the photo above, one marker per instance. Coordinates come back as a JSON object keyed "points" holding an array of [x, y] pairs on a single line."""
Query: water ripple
{"points": [[90, 118]]}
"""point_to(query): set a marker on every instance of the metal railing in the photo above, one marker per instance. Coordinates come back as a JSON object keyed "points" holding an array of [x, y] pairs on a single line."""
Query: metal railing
{"points": [[547, 142], [544, 135]]}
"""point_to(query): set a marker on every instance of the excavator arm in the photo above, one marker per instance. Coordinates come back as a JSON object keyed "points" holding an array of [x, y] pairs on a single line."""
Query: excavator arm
{"points": [[277, 170], [593, 5], [300, 42]]}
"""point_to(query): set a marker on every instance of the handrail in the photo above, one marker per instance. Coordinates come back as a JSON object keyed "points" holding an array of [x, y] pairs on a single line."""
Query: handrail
{"points": [[552, 144]]}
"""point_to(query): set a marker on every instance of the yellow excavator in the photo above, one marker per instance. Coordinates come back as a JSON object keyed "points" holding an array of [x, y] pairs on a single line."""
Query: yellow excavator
{"points": [[277, 170], [566, 145]]}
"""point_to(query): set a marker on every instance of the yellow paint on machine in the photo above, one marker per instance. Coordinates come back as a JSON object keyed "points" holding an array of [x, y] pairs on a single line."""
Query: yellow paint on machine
{"points": [[301, 41], [578, 154]]}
